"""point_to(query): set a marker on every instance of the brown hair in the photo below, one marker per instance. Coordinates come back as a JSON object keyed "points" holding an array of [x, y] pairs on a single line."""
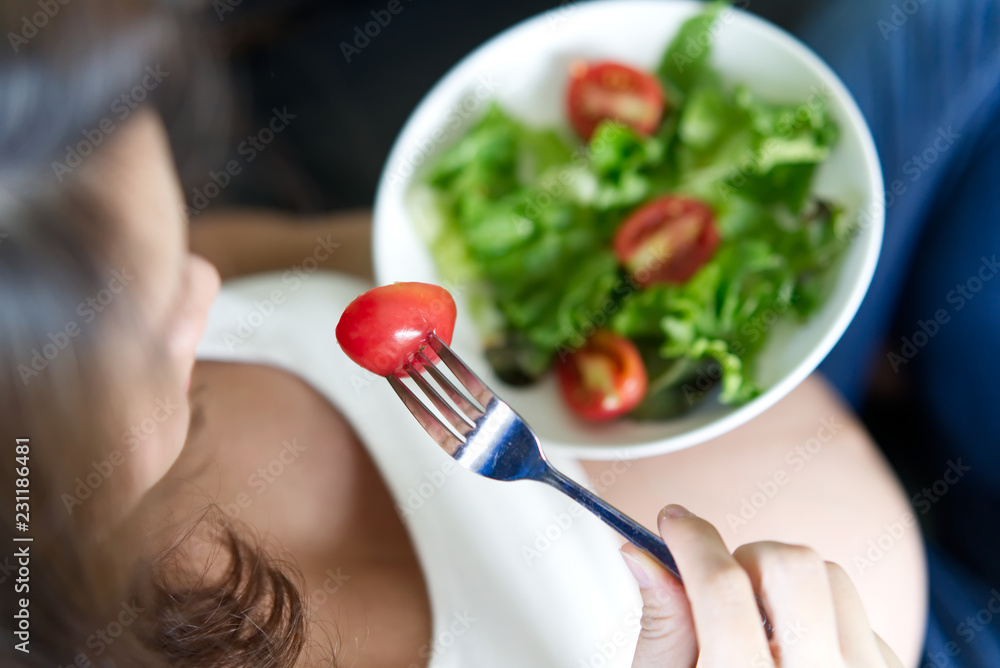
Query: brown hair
{"points": [[66, 64]]}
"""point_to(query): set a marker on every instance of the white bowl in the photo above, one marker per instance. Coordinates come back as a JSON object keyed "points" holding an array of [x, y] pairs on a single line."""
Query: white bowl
{"points": [[525, 68]]}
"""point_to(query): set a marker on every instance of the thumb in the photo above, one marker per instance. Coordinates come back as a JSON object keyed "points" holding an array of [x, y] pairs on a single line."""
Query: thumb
{"points": [[667, 637]]}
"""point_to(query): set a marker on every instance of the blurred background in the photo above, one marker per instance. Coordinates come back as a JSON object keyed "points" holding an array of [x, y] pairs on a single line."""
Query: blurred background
{"points": [[350, 102]]}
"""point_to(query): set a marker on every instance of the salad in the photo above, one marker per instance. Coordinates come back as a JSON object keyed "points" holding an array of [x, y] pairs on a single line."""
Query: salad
{"points": [[644, 250]]}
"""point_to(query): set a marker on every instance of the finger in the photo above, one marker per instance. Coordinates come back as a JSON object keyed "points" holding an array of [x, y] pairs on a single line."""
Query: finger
{"points": [[793, 584], [858, 643], [667, 634], [890, 658], [726, 618]]}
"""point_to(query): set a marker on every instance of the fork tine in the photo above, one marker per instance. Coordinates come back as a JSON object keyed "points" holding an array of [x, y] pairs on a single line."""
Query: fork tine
{"points": [[471, 411], [465, 375], [461, 423], [431, 424]]}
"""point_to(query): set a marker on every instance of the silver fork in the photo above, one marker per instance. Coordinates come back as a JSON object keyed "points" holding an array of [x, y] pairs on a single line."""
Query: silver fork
{"points": [[486, 436]]}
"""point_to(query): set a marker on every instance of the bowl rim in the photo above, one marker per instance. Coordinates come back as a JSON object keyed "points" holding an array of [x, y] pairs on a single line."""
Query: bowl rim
{"points": [[871, 209]]}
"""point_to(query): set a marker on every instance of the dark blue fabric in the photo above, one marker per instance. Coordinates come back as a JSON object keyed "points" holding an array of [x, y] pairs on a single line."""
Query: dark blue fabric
{"points": [[965, 614], [926, 74], [957, 373], [934, 75]]}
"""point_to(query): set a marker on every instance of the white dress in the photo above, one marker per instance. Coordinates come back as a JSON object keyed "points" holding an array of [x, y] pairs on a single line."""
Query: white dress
{"points": [[518, 575]]}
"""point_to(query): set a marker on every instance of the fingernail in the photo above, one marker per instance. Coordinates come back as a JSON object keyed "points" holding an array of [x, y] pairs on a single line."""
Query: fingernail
{"points": [[638, 572], [676, 511]]}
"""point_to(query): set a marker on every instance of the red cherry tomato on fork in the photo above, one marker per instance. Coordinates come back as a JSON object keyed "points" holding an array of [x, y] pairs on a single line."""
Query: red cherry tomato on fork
{"points": [[604, 379], [598, 91], [387, 326], [667, 240]]}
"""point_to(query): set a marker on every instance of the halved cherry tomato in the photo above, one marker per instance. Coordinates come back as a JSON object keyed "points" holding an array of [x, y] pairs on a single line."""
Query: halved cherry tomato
{"points": [[604, 379], [598, 91], [385, 327], [667, 240]]}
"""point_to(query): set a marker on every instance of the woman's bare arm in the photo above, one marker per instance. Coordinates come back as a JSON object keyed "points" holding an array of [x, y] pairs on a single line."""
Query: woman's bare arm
{"points": [[250, 241], [805, 471]]}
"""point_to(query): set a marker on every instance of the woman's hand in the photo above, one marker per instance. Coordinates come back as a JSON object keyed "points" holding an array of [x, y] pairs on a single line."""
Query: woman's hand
{"points": [[713, 620]]}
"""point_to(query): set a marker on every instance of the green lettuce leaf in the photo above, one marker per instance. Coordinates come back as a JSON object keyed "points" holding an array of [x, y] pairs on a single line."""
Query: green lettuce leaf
{"points": [[528, 217]]}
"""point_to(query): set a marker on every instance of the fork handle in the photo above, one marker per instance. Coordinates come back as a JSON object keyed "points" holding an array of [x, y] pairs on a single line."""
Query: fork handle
{"points": [[634, 532], [631, 530]]}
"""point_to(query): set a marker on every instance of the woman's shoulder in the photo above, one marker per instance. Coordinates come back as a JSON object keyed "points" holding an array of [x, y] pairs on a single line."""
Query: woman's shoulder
{"points": [[250, 311], [289, 319]]}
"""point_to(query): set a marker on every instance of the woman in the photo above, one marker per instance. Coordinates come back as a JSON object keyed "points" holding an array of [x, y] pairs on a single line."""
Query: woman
{"points": [[226, 513]]}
